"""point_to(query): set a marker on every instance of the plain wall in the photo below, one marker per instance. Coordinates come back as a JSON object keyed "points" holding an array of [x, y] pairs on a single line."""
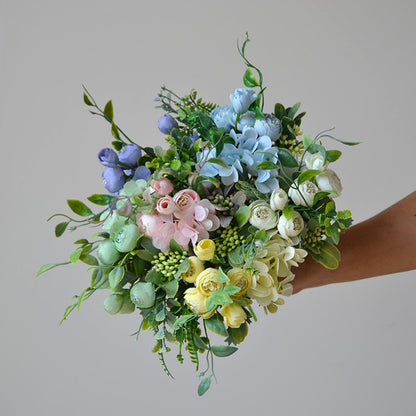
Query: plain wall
{"points": [[344, 349]]}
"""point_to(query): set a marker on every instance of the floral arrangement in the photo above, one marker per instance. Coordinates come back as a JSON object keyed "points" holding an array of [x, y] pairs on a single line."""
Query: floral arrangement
{"points": [[197, 234]]}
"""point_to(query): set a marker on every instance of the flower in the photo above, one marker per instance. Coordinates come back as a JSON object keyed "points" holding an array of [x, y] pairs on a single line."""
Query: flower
{"points": [[264, 289], [113, 179], [149, 224], [163, 186], [278, 199], [207, 283], [242, 98], [314, 161], [329, 181], [197, 302], [141, 172], [246, 119], [185, 202], [269, 126], [107, 252], [234, 315], [262, 215], [108, 157], [166, 123], [223, 117], [165, 205], [195, 267], [126, 238], [129, 154], [305, 194], [240, 278], [205, 249], [291, 227]]}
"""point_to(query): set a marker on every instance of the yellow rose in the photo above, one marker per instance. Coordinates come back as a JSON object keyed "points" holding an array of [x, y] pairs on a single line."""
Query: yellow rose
{"points": [[206, 282], [234, 315], [195, 267], [205, 249], [197, 302], [240, 278]]}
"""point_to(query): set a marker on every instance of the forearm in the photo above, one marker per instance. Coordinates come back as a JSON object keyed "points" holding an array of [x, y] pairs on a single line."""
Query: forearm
{"points": [[381, 245]]}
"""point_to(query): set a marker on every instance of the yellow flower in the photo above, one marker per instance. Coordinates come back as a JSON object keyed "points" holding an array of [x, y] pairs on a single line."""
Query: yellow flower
{"points": [[234, 315], [240, 278], [195, 267], [206, 282], [205, 249], [197, 302]]}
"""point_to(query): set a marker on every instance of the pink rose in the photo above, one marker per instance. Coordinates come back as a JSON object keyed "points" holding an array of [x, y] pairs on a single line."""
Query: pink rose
{"points": [[185, 202], [165, 205], [149, 225], [162, 187], [163, 237]]}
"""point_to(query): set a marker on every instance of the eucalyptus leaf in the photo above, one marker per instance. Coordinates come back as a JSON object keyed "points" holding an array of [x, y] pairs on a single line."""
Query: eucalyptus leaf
{"points": [[223, 350], [216, 326], [217, 161], [116, 276], [183, 320], [204, 385]]}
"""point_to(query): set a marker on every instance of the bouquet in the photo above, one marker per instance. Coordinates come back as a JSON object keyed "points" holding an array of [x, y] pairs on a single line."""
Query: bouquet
{"points": [[196, 235]]}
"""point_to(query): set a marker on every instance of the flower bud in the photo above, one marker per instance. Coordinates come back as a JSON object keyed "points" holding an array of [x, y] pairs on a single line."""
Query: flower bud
{"points": [[129, 154], [113, 179], [197, 302], [166, 123], [262, 215], [141, 172], [195, 267], [126, 239], [108, 157], [278, 199], [304, 195], [142, 294], [205, 249], [107, 252], [291, 227], [329, 181], [269, 126], [241, 99], [234, 315]]}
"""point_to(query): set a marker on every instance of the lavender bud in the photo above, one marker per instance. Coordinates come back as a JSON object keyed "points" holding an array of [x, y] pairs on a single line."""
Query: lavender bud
{"points": [[129, 154], [113, 179], [166, 123], [108, 157]]}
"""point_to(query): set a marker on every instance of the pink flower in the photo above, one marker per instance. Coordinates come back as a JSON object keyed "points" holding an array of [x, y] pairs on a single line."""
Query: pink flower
{"points": [[163, 237], [163, 186], [165, 205], [149, 225], [185, 202], [205, 215]]}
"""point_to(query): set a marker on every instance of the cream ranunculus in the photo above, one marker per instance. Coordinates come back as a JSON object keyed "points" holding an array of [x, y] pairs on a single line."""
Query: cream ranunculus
{"points": [[329, 181], [240, 278], [205, 249], [207, 283], [306, 189], [264, 289], [195, 267], [197, 302], [262, 215], [278, 199], [234, 315], [291, 227], [314, 161]]}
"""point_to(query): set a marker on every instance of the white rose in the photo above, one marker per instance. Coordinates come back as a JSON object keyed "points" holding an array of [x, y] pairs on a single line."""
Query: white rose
{"points": [[278, 199], [307, 189], [262, 215], [314, 161], [291, 227], [329, 181]]}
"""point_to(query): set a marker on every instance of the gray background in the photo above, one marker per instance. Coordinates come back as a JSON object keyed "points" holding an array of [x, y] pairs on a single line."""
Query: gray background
{"points": [[344, 349]]}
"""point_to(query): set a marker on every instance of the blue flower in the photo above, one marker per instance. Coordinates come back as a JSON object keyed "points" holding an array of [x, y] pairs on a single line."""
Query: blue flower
{"points": [[242, 99], [246, 119], [194, 137], [166, 123], [223, 117], [129, 154], [269, 126], [142, 172], [113, 179], [108, 157]]}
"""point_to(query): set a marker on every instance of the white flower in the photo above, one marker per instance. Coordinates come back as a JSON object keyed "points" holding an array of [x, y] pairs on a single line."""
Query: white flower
{"points": [[278, 199], [329, 181], [264, 289], [292, 227], [314, 161], [307, 189], [262, 215]]}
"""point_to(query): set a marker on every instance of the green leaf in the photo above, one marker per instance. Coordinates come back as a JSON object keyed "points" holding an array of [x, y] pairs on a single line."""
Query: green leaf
{"points": [[333, 155], [286, 158], [116, 276], [279, 111], [291, 113], [101, 199], [223, 350], [174, 246], [47, 267], [231, 289], [199, 343], [218, 162], [320, 195], [114, 131], [235, 258], [288, 212], [216, 326], [266, 165], [171, 288], [329, 256], [88, 259], [204, 386], [60, 228], [183, 320], [145, 255], [308, 175], [219, 298], [183, 268], [237, 335], [249, 79], [75, 255], [154, 276], [146, 243], [108, 110], [87, 100], [79, 208], [222, 277], [242, 215]]}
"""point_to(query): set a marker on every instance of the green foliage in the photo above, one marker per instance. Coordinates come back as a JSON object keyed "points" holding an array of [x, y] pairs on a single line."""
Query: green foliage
{"points": [[204, 385], [223, 350], [79, 208], [242, 215]]}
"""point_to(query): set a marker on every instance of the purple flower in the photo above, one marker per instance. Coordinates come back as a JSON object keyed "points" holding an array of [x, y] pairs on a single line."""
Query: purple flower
{"points": [[166, 123], [129, 154], [108, 157], [142, 172], [113, 179], [194, 137]]}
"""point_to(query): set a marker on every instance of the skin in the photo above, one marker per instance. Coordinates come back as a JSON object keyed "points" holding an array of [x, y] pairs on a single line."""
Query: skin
{"points": [[381, 245]]}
